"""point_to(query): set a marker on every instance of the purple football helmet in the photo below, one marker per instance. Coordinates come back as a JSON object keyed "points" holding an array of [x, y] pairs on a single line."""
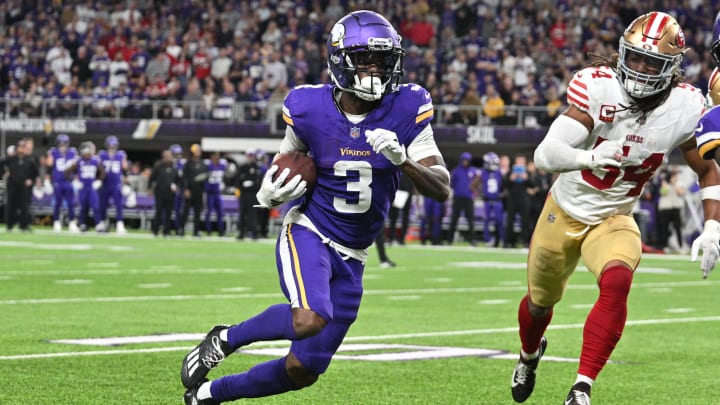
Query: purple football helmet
{"points": [[87, 148], [359, 40], [111, 142], [491, 161], [176, 149], [715, 47], [62, 140]]}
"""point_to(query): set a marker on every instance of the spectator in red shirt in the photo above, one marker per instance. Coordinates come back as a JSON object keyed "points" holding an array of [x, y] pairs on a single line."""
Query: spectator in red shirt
{"points": [[201, 63], [419, 30], [181, 69], [558, 33], [157, 89]]}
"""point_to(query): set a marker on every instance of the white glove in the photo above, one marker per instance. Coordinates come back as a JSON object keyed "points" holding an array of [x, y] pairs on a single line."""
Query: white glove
{"points": [[96, 184], [386, 142], [709, 242], [273, 193], [608, 153]]}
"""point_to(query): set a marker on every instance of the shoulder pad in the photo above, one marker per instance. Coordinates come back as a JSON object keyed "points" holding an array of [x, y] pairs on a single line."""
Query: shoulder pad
{"points": [[586, 82], [419, 100], [296, 102]]}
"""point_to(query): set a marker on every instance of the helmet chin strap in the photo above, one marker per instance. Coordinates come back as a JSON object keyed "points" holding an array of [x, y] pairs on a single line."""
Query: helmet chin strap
{"points": [[370, 88]]}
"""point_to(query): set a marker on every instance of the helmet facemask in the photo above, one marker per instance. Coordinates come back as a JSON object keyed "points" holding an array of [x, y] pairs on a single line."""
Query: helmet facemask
{"points": [[377, 82], [659, 70], [715, 52]]}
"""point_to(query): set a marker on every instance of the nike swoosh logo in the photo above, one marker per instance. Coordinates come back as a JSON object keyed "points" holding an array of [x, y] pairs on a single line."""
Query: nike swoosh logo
{"points": [[700, 128]]}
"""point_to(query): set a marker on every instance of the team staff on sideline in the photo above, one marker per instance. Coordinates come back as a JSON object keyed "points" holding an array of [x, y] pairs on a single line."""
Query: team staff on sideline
{"points": [[163, 185], [247, 182], [625, 118], [195, 172], [22, 171], [362, 132]]}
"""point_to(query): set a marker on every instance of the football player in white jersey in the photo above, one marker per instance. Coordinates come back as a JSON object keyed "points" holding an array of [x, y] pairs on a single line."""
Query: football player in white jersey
{"points": [[625, 117]]}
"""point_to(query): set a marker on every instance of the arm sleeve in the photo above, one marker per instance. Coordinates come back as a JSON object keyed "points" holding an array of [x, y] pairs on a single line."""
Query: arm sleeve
{"points": [[291, 142], [423, 145], [559, 151]]}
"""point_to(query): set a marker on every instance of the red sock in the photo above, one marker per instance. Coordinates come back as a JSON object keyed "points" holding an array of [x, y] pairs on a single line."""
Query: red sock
{"points": [[605, 323], [531, 329]]}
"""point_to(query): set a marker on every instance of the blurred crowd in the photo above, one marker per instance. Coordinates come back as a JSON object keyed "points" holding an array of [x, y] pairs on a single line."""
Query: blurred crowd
{"points": [[491, 55]]}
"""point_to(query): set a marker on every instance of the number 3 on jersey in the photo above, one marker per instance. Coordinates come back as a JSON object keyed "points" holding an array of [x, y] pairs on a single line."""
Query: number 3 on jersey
{"points": [[360, 186], [638, 174]]}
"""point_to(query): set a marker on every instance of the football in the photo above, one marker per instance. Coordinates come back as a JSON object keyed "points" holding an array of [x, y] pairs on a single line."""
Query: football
{"points": [[298, 163]]}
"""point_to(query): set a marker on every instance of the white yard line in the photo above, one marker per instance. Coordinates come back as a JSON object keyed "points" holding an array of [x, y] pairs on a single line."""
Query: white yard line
{"points": [[409, 291], [194, 337]]}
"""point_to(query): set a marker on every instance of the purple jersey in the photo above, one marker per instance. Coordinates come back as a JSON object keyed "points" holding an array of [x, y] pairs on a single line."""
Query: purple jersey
{"points": [[113, 167], [180, 165], [61, 161], [214, 183], [87, 169], [491, 184], [461, 180], [355, 186]]}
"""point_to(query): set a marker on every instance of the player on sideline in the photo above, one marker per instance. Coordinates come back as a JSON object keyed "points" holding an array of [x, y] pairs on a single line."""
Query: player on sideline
{"points": [[362, 131], [90, 172], [179, 162], [624, 119], [115, 164], [59, 158]]}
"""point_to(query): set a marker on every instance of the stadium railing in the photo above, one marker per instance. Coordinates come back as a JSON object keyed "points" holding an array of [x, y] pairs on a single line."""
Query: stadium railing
{"points": [[38, 107]]}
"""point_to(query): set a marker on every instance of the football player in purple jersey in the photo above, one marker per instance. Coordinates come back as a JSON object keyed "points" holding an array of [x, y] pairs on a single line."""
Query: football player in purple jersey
{"points": [[59, 158], [491, 186], [177, 153], [362, 132], [214, 186], [706, 133], [115, 163], [90, 172]]}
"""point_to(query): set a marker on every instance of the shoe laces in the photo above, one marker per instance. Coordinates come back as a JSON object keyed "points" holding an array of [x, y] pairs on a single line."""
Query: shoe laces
{"points": [[578, 397], [215, 355], [522, 372]]}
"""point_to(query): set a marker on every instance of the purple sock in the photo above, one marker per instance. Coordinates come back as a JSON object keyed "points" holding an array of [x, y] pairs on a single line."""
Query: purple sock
{"points": [[274, 323], [265, 379]]}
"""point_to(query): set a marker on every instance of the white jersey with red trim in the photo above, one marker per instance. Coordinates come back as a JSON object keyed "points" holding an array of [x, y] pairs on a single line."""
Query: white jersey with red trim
{"points": [[590, 196]]}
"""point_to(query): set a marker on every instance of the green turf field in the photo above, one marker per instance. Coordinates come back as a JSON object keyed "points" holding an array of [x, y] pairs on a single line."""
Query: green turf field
{"points": [[438, 302]]}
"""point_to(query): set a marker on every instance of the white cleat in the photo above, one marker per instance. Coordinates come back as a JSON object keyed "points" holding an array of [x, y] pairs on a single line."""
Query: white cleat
{"points": [[57, 226], [73, 227], [120, 228], [101, 227]]}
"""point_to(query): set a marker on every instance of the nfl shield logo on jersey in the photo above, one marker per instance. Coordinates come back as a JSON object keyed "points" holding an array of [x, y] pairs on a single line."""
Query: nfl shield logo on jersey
{"points": [[354, 132]]}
